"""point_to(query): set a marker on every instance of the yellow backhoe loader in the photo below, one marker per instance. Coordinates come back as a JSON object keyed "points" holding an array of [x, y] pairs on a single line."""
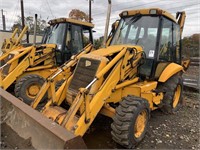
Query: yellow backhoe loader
{"points": [[138, 72], [27, 68]]}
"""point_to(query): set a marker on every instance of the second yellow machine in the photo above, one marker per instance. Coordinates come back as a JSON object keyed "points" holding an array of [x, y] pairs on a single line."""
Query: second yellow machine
{"points": [[26, 68]]}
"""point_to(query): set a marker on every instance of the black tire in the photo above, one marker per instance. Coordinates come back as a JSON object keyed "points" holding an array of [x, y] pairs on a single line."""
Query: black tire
{"points": [[23, 84], [126, 118], [171, 102]]}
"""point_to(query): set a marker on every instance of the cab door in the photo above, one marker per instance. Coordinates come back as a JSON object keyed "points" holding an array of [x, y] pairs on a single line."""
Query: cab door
{"points": [[73, 42]]}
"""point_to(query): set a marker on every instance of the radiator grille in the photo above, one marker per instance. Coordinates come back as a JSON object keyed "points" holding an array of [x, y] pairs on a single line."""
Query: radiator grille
{"points": [[83, 75]]}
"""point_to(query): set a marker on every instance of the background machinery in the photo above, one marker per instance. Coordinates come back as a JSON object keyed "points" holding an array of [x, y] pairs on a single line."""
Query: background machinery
{"points": [[13, 42], [138, 72], [26, 68]]}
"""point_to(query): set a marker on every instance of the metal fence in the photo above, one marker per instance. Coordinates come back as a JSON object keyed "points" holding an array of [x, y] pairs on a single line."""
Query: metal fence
{"points": [[192, 80]]}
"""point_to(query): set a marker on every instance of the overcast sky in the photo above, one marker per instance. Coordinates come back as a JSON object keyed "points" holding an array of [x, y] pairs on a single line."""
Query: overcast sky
{"points": [[49, 9]]}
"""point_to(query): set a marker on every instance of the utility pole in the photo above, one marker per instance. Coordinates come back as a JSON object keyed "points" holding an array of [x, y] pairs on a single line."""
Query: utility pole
{"points": [[23, 24], [107, 23], [22, 14], [90, 11], [3, 20]]}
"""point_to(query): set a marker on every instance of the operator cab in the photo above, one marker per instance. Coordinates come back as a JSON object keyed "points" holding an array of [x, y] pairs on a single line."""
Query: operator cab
{"points": [[70, 36], [157, 32]]}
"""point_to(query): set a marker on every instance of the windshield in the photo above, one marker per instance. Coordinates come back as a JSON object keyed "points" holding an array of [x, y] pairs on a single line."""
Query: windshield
{"points": [[138, 30], [56, 35]]}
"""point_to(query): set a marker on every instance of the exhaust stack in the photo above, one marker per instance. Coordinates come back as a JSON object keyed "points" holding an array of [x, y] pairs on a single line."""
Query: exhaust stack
{"points": [[35, 28]]}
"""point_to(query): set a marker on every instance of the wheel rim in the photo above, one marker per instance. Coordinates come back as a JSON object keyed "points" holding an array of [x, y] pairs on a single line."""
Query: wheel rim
{"points": [[140, 124], [32, 90], [177, 95]]}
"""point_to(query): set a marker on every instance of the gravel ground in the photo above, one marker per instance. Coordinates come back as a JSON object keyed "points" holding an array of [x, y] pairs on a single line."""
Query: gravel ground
{"points": [[177, 131]]}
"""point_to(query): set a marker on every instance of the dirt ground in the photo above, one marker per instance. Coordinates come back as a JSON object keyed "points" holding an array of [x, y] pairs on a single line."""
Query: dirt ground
{"points": [[10, 139], [177, 131]]}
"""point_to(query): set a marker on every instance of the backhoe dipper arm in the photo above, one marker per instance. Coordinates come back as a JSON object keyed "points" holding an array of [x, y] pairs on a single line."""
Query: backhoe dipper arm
{"points": [[8, 43], [13, 43], [21, 35], [180, 16], [14, 33]]}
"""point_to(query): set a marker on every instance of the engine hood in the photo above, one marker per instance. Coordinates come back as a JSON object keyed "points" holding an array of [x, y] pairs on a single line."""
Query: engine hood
{"points": [[114, 49]]}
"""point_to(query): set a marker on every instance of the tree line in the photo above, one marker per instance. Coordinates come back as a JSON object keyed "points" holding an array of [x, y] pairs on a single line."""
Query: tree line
{"points": [[191, 45]]}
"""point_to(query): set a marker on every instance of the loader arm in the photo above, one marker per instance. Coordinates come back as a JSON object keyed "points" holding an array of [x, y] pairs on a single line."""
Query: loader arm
{"points": [[7, 79], [19, 60], [65, 71], [120, 66]]}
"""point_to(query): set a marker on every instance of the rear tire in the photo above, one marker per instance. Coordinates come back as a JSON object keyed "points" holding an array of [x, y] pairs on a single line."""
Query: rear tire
{"points": [[172, 89], [27, 87], [131, 121]]}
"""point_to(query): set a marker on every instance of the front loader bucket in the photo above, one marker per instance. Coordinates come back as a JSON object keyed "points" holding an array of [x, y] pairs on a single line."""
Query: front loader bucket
{"points": [[30, 124]]}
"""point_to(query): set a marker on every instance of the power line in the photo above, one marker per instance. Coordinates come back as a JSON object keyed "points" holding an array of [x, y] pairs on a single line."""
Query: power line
{"points": [[50, 9], [14, 14], [143, 5], [123, 3], [173, 9]]}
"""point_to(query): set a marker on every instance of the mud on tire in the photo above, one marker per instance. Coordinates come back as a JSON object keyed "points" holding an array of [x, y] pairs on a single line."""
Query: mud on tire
{"points": [[131, 121], [172, 89]]}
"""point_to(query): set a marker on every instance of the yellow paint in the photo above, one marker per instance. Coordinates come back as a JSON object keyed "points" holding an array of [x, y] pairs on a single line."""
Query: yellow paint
{"points": [[169, 71], [59, 20], [106, 110], [147, 12], [140, 124], [176, 97], [146, 86], [185, 64], [33, 90]]}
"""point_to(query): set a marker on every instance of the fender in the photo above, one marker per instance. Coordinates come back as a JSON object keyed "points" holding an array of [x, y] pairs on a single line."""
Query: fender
{"points": [[169, 71]]}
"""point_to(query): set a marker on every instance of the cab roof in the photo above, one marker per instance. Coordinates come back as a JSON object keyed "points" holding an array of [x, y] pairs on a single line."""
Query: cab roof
{"points": [[61, 20], [153, 11]]}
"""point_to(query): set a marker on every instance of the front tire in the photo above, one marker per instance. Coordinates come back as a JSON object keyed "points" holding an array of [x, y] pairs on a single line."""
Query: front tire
{"points": [[27, 87], [131, 121]]}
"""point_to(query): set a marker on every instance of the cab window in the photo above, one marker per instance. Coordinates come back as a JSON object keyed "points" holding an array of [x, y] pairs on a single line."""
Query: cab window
{"points": [[165, 53], [77, 40]]}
